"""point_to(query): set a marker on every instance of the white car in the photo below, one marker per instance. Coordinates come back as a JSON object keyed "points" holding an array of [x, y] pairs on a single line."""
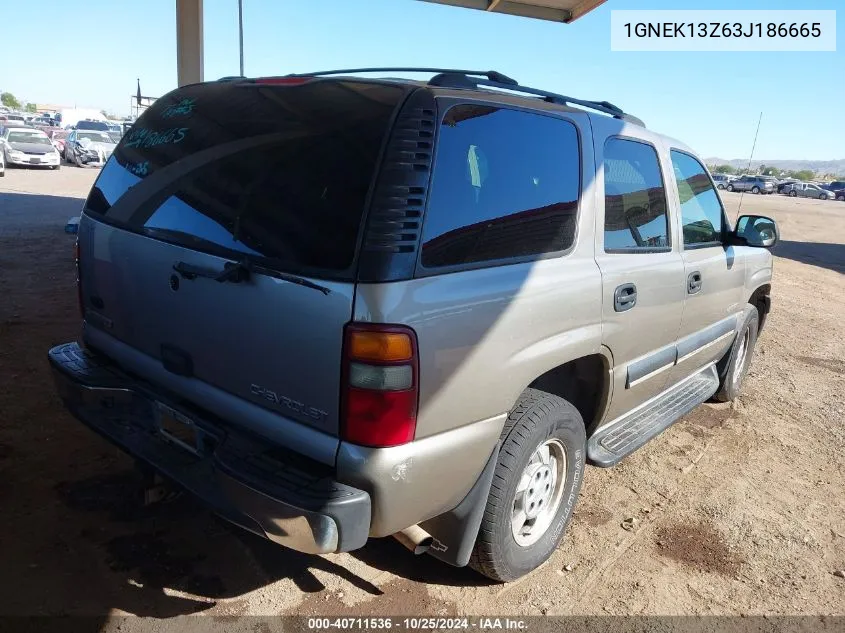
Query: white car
{"points": [[88, 147], [26, 146]]}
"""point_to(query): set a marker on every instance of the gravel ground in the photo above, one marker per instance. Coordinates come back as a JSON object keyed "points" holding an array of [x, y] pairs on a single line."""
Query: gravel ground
{"points": [[737, 509]]}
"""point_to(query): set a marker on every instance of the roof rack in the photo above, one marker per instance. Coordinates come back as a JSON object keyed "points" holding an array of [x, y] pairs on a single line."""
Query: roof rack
{"points": [[491, 75], [454, 79], [472, 79]]}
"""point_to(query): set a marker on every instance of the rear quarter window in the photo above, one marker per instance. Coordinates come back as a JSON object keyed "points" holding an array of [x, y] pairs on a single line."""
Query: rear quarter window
{"points": [[505, 186]]}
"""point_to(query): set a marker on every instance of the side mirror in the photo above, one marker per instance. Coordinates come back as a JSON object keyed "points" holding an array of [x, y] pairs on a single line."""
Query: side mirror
{"points": [[756, 230]]}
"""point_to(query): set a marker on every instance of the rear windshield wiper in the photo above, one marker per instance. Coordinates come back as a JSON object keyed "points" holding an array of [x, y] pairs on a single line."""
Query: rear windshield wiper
{"points": [[234, 272]]}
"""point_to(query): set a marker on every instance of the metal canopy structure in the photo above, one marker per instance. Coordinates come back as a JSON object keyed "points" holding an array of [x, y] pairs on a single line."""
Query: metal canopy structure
{"points": [[553, 10], [189, 24]]}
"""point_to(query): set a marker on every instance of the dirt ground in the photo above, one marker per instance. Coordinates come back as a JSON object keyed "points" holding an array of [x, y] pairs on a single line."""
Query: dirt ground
{"points": [[738, 509]]}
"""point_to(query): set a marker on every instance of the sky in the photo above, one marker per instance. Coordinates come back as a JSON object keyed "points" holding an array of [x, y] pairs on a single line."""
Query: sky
{"points": [[97, 48]]}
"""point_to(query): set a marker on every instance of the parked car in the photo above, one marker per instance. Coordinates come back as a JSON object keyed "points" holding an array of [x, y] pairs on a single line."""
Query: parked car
{"points": [[754, 184], [721, 180], [13, 119], [58, 137], [90, 124], [328, 337], [88, 147], [834, 185], [809, 190], [26, 146], [785, 183]]}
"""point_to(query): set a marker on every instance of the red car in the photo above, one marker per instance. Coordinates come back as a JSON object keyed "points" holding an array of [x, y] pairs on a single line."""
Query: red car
{"points": [[57, 136]]}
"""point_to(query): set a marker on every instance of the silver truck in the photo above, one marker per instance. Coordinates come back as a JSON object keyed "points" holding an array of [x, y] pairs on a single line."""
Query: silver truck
{"points": [[337, 308]]}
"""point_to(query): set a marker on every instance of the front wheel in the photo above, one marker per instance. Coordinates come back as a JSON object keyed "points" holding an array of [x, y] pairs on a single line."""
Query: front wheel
{"points": [[734, 365], [755, 190], [535, 485], [730, 187], [841, 197]]}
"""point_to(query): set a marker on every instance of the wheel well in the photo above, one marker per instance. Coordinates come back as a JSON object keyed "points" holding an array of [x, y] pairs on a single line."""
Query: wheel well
{"points": [[584, 382], [760, 300]]}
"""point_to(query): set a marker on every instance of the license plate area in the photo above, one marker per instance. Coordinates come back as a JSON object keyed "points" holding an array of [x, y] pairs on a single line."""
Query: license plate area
{"points": [[179, 429], [35, 160]]}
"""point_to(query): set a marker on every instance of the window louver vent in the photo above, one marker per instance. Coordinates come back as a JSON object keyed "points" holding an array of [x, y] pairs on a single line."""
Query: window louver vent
{"points": [[399, 198]]}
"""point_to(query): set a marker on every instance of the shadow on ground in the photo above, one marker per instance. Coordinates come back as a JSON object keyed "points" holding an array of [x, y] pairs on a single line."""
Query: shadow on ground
{"points": [[831, 256]]}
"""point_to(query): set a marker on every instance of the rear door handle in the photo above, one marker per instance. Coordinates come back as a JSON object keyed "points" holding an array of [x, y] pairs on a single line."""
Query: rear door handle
{"points": [[624, 297], [693, 282]]}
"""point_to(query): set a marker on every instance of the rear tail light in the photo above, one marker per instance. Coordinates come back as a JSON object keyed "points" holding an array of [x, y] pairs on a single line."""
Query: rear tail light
{"points": [[78, 279], [381, 385]]}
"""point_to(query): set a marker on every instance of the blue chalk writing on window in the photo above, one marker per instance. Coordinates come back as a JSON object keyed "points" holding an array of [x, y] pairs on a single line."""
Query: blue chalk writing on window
{"points": [[140, 169], [144, 138], [182, 107]]}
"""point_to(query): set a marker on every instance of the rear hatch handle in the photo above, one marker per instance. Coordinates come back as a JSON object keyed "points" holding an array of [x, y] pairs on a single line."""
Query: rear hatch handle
{"points": [[236, 272]]}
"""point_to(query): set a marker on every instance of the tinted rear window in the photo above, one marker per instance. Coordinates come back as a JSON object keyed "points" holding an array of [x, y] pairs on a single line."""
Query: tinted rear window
{"points": [[293, 199], [505, 186]]}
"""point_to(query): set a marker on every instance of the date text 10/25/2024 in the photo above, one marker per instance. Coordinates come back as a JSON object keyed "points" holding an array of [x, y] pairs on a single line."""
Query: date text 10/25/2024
{"points": [[416, 624]]}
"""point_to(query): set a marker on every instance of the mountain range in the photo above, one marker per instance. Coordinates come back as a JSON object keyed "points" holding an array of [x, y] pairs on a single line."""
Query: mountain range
{"points": [[818, 166]]}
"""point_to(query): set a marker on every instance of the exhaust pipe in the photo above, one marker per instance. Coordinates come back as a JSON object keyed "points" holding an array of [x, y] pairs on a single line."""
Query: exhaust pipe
{"points": [[415, 539]]}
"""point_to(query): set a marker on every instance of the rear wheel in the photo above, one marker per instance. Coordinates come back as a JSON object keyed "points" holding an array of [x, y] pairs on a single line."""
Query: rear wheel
{"points": [[841, 197], [734, 365], [793, 193], [535, 485]]}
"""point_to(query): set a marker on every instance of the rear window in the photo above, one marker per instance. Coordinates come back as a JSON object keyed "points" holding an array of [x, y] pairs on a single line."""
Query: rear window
{"points": [[281, 174]]}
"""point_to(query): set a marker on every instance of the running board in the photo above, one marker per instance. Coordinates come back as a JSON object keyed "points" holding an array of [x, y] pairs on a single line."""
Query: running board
{"points": [[621, 438]]}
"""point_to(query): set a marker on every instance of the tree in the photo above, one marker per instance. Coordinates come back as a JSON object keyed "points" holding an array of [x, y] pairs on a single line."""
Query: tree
{"points": [[724, 169], [30, 107], [804, 174], [9, 100]]}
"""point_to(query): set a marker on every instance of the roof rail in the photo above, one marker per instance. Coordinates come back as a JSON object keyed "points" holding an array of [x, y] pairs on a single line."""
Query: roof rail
{"points": [[491, 75], [455, 79]]}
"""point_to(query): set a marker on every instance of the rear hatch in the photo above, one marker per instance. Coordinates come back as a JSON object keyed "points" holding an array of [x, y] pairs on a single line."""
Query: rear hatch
{"points": [[266, 183]]}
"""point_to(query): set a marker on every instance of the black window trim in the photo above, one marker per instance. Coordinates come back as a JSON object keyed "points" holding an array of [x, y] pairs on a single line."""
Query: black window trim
{"points": [[646, 250], [444, 105], [723, 241]]}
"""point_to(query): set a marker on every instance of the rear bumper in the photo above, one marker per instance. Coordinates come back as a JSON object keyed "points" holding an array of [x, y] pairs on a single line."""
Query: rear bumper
{"points": [[272, 492]]}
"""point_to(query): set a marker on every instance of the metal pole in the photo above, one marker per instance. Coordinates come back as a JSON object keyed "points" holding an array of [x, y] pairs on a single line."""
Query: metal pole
{"points": [[241, 32]]}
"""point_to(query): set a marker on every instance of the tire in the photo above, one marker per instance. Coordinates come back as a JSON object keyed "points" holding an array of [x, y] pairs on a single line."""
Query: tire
{"points": [[720, 186], [55, 167], [755, 190], [538, 419], [730, 187], [734, 365], [841, 197], [793, 194]]}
